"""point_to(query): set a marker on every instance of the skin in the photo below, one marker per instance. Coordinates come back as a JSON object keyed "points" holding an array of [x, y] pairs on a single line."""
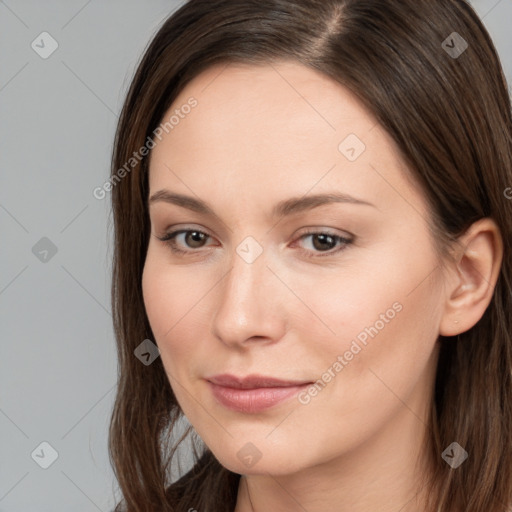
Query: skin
{"points": [[259, 135]]}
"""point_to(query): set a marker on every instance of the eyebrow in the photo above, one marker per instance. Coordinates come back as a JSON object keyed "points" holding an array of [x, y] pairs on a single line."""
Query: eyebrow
{"points": [[284, 208]]}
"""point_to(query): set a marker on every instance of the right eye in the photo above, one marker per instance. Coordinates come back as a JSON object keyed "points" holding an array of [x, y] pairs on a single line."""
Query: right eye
{"points": [[193, 238]]}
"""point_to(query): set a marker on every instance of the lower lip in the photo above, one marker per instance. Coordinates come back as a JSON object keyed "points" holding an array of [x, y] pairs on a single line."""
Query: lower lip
{"points": [[253, 400]]}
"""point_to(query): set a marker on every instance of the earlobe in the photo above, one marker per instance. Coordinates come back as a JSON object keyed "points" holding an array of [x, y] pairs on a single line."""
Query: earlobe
{"points": [[473, 277]]}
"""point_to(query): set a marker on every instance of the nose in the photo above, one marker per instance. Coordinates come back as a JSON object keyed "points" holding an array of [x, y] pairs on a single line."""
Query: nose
{"points": [[250, 304]]}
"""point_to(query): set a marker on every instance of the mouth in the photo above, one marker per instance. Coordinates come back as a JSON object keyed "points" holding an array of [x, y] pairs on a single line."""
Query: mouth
{"points": [[253, 393]]}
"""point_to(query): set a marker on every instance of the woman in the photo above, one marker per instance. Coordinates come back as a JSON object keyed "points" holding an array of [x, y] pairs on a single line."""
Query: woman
{"points": [[313, 260]]}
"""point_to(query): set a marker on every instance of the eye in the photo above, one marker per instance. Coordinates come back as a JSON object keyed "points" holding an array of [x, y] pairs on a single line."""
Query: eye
{"points": [[193, 238], [324, 242]]}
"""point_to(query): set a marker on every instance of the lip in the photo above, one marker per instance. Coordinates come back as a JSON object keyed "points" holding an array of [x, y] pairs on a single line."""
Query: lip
{"points": [[253, 393]]}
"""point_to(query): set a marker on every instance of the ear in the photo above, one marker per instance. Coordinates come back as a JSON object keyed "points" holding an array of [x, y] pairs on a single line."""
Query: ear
{"points": [[471, 277]]}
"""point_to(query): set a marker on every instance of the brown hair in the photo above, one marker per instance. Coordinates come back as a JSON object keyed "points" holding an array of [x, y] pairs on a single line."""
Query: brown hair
{"points": [[450, 116]]}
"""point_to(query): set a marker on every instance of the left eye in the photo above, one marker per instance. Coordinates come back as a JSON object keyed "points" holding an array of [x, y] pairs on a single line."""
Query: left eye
{"points": [[326, 242], [322, 242]]}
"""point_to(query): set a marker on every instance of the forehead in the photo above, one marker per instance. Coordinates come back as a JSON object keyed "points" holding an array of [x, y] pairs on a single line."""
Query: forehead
{"points": [[280, 128], [285, 99]]}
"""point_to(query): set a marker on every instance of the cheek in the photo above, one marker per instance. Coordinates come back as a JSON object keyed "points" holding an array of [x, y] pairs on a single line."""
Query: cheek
{"points": [[379, 359], [158, 299], [174, 300], [360, 319], [168, 293]]}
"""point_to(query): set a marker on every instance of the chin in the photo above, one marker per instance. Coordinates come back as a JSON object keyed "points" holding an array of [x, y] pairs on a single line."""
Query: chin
{"points": [[254, 459]]}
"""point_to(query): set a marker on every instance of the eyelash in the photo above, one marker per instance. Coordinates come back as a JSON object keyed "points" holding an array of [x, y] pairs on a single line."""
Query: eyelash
{"points": [[169, 239]]}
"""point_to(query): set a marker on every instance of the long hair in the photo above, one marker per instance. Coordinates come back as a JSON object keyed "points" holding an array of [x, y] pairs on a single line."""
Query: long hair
{"points": [[447, 108]]}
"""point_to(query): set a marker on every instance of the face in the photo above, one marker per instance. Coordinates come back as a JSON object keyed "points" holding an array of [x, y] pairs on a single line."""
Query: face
{"points": [[264, 276]]}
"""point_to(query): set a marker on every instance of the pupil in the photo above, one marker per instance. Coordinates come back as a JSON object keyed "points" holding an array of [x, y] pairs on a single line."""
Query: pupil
{"points": [[196, 238], [324, 239]]}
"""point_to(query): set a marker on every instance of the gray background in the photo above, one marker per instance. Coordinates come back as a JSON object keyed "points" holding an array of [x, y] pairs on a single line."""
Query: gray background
{"points": [[58, 116]]}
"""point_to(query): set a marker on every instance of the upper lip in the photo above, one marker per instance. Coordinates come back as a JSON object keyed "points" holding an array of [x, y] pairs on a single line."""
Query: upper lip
{"points": [[252, 381]]}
